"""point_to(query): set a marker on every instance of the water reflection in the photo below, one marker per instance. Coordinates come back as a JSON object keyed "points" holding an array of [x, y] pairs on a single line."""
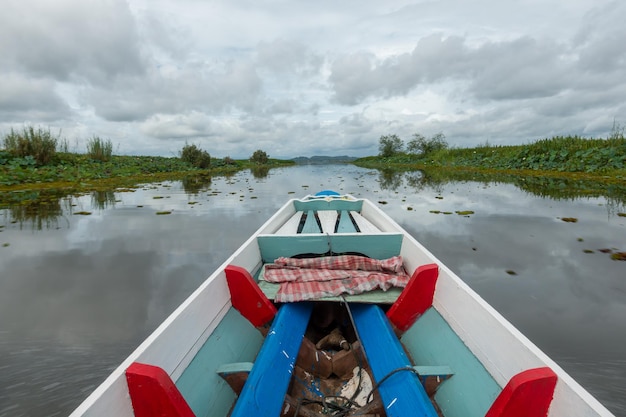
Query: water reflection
{"points": [[102, 199], [260, 172], [36, 209], [193, 184], [548, 187], [76, 300], [390, 179]]}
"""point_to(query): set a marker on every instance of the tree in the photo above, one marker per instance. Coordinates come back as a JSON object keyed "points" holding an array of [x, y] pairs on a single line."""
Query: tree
{"points": [[259, 157], [420, 145], [195, 156], [390, 145]]}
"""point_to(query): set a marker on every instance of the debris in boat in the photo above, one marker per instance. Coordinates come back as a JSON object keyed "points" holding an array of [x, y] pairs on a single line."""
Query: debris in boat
{"points": [[619, 256], [333, 340], [570, 219]]}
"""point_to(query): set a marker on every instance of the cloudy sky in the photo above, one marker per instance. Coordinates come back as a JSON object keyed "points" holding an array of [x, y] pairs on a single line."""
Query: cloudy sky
{"points": [[295, 77]]}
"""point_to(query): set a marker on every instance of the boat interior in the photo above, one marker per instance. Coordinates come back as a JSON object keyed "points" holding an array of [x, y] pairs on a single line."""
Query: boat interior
{"points": [[382, 352]]}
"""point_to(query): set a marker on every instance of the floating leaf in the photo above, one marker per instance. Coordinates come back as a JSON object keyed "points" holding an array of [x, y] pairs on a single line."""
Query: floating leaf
{"points": [[619, 256]]}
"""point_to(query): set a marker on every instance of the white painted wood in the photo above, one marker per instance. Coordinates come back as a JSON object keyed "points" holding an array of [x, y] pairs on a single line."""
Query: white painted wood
{"points": [[174, 343], [365, 226], [291, 226], [502, 349], [328, 218]]}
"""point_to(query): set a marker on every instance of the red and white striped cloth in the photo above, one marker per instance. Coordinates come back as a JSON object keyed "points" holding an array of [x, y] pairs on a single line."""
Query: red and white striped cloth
{"points": [[313, 278]]}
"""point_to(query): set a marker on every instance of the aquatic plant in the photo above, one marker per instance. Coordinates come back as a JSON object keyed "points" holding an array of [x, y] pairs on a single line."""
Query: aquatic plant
{"points": [[99, 149], [38, 143]]}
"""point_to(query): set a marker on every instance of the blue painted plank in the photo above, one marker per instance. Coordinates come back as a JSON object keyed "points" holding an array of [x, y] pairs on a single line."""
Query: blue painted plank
{"points": [[310, 224], [345, 223], [472, 390], [377, 246], [234, 340], [402, 393], [264, 392]]}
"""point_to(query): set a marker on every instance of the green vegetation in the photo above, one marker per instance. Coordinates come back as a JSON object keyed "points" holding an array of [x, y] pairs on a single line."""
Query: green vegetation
{"points": [[37, 145], [390, 145], [99, 149], [259, 157], [195, 156], [571, 154], [30, 159]]}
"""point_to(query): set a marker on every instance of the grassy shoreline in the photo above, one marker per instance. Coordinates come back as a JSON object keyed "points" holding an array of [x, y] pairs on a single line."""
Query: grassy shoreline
{"points": [[562, 157], [79, 171]]}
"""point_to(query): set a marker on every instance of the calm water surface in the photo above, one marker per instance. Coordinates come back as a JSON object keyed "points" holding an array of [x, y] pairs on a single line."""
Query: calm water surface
{"points": [[78, 293]]}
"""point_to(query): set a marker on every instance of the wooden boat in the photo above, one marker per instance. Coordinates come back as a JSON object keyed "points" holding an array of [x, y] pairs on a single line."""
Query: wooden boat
{"points": [[246, 343]]}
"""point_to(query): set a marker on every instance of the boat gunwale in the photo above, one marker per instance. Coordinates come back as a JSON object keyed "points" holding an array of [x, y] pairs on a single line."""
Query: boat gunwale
{"points": [[570, 398], [151, 349]]}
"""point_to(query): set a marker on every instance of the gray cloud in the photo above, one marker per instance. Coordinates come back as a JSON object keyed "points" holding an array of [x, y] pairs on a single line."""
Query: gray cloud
{"points": [[305, 79], [197, 87], [284, 56], [516, 69], [30, 99], [70, 40]]}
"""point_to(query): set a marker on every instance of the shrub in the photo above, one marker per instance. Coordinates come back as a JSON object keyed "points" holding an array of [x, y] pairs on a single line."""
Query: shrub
{"points": [[38, 143], [99, 149], [390, 145], [420, 145], [259, 157], [195, 156]]}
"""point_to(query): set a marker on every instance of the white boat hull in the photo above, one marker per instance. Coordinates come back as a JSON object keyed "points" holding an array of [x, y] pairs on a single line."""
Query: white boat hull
{"points": [[498, 346]]}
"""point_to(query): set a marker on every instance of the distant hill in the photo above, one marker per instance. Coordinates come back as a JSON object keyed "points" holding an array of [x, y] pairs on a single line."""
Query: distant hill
{"points": [[321, 160]]}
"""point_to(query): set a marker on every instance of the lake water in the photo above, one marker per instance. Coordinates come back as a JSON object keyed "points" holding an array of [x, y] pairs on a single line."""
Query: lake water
{"points": [[79, 292]]}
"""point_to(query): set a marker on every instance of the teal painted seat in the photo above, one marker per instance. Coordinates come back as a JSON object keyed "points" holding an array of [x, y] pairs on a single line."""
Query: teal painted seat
{"points": [[401, 392], [264, 391]]}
